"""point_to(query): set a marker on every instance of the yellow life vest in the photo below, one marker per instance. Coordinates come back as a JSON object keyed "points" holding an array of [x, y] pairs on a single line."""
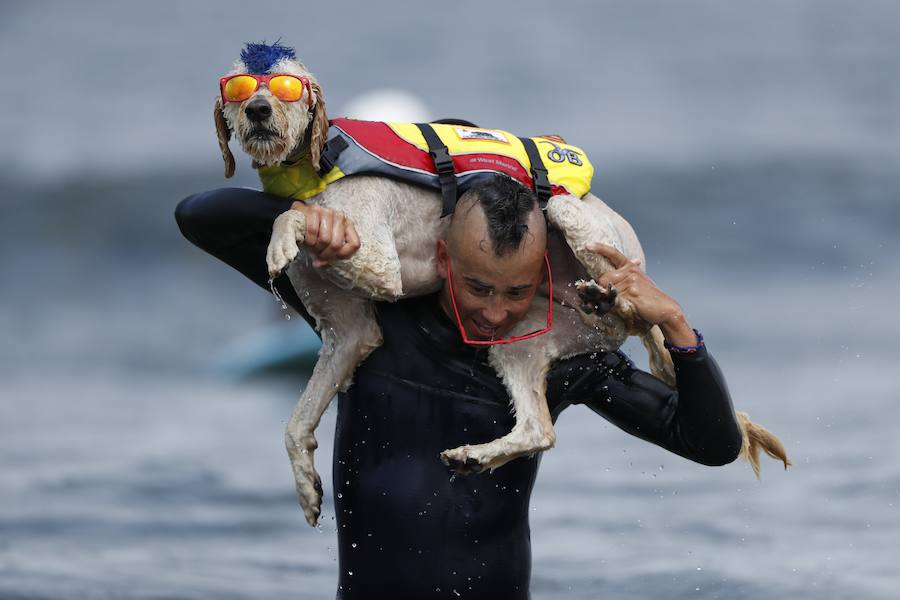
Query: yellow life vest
{"points": [[401, 151]]}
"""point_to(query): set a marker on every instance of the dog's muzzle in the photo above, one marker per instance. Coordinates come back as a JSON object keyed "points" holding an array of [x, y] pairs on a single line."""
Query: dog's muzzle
{"points": [[260, 134]]}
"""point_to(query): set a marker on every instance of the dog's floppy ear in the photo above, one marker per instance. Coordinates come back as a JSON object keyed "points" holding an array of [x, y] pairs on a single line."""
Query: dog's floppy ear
{"points": [[224, 134], [319, 133]]}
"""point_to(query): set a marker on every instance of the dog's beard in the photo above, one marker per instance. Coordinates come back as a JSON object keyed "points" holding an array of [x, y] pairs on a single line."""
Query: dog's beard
{"points": [[271, 141]]}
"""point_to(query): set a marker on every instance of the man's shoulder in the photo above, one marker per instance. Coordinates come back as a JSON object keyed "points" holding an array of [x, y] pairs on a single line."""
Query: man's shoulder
{"points": [[582, 370], [594, 361]]}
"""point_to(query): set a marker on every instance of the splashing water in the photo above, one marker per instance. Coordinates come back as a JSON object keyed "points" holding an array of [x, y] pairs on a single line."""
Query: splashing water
{"points": [[279, 299]]}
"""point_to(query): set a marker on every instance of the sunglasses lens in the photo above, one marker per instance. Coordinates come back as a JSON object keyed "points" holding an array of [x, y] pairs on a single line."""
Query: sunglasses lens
{"points": [[238, 89], [286, 87]]}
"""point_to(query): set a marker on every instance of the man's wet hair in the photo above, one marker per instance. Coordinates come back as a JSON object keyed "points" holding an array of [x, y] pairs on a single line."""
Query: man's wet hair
{"points": [[507, 206]]}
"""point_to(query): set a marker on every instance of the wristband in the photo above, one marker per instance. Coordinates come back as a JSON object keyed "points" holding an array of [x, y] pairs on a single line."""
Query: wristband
{"points": [[686, 349]]}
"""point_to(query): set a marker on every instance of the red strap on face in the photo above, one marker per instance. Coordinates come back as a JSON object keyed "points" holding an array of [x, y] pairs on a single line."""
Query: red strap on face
{"points": [[509, 340]]}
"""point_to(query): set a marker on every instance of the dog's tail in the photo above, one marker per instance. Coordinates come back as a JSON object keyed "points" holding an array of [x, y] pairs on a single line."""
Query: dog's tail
{"points": [[660, 360], [756, 437]]}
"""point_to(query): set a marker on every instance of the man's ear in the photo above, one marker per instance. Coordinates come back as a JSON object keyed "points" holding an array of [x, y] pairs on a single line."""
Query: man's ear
{"points": [[223, 134], [442, 259]]}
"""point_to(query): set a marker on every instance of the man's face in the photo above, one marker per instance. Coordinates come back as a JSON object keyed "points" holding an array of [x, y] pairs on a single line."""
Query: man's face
{"points": [[492, 292]]}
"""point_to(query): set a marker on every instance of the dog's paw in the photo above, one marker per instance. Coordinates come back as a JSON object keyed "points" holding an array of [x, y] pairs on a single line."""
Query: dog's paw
{"points": [[466, 460], [459, 460], [306, 479], [288, 232], [309, 491], [595, 300]]}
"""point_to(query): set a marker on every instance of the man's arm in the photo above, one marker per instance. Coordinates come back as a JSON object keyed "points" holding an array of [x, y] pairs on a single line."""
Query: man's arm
{"points": [[695, 419], [235, 224]]}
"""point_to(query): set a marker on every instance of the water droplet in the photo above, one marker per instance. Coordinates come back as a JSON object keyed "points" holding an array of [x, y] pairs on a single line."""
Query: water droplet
{"points": [[276, 294], [340, 495], [353, 545]]}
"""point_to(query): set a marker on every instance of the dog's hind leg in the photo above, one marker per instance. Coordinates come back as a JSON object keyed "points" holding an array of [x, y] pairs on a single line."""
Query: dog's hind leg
{"points": [[597, 302], [587, 220], [349, 333], [523, 367]]}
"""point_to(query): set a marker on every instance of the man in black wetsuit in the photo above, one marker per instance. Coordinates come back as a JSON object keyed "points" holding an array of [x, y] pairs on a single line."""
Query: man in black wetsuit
{"points": [[406, 529]]}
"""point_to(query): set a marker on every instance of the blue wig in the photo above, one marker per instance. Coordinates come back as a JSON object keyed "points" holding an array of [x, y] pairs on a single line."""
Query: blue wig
{"points": [[260, 58]]}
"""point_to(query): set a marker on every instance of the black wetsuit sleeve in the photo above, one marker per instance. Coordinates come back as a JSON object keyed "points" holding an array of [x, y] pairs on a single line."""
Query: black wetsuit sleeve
{"points": [[234, 225], [695, 420]]}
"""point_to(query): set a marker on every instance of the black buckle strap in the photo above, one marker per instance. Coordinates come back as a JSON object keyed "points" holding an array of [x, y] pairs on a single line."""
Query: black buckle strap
{"points": [[330, 154], [538, 172], [443, 164]]}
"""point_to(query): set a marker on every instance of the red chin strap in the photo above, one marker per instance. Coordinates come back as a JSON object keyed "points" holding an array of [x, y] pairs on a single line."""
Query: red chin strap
{"points": [[509, 340]]}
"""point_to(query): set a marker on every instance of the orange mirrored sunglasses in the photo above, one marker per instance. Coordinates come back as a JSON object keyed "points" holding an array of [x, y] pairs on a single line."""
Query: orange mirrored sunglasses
{"points": [[287, 88]]}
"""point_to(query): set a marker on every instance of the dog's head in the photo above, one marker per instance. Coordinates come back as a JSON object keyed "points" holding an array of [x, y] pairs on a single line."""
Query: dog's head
{"points": [[269, 129]]}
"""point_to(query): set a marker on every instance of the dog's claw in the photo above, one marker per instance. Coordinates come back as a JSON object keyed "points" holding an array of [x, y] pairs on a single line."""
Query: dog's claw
{"points": [[458, 461], [594, 298], [467, 460], [282, 252], [287, 231]]}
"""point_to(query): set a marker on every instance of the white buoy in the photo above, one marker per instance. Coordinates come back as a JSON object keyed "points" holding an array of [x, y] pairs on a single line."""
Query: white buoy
{"points": [[387, 105]]}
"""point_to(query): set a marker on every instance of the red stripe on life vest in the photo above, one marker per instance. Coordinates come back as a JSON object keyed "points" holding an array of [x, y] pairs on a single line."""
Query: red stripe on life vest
{"points": [[491, 162], [380, 140], [464, 163]]}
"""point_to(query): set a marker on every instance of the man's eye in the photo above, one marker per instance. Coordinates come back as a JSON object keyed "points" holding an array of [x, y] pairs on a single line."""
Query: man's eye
{"points": [[479, 290], [517, 294]]}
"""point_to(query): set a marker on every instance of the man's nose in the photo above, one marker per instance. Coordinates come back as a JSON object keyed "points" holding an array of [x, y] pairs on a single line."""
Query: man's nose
{"points": [[494, 313], [258, 109]]}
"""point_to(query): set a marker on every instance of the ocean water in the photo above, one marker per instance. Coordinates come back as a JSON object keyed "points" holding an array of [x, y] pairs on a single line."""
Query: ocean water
{"points": [[754, 148]]}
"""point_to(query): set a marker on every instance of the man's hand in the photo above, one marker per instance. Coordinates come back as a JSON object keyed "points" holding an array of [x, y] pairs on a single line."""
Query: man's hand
{"points": [[330, 234], [652, 304]]}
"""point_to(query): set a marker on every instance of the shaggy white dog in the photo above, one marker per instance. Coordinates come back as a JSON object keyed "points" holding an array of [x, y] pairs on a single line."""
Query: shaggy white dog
{"points": [[398, 225]]}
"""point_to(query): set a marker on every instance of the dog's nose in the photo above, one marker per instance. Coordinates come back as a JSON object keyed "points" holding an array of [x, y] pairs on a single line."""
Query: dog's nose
{"points": [[258, 109]]}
